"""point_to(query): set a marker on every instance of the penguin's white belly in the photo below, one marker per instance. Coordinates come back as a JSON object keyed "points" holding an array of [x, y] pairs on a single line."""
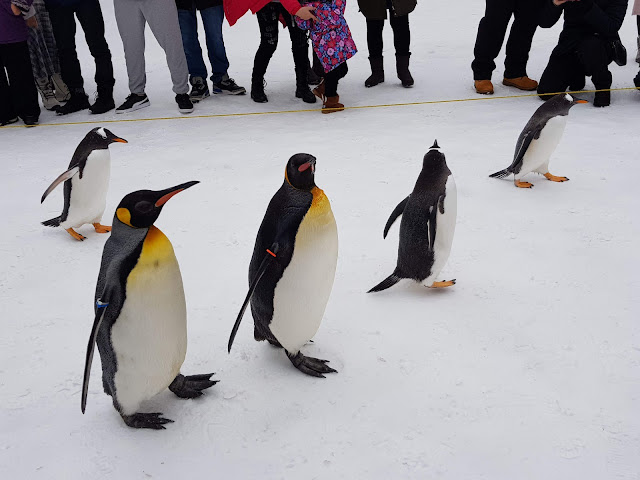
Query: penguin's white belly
{"points": [[149, 337], [536, 158], [301, 295], [89, 193], [445, 228]]}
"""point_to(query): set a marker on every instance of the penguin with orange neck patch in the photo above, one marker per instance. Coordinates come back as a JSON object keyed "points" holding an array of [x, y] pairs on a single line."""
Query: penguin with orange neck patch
{"points": [[293, 266], [140, 323]]}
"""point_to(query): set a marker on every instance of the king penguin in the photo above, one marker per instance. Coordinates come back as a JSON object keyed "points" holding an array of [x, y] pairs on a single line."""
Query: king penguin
{"points": [[86, 182], [427, 226], [140, 323], [539, 139], [293, 266]]}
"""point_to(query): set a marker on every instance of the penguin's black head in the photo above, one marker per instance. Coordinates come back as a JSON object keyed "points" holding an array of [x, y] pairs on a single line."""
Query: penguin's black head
{"points": [[141, 209], [561, 104], [101, 137], [300, 172], [434, 157]]}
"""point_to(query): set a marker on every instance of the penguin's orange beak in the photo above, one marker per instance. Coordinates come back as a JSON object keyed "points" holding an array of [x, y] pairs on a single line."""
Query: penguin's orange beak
{"points": [[120, 140], [582, 101], [170, 192]]}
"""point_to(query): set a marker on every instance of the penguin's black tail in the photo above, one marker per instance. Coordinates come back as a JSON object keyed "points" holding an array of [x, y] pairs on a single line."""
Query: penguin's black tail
{"points": [[501, 174], [390, 281], [54, 222]]}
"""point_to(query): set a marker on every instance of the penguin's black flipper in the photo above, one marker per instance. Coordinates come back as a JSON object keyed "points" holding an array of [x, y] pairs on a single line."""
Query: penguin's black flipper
{"points": [[62, 178], [394, 215], [100, 311], [388, 282], [266, 261], [524, 141], [501, 173]]}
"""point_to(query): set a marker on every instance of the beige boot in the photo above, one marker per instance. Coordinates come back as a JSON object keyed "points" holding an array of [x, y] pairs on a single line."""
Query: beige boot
{"points": [[332, 104]]}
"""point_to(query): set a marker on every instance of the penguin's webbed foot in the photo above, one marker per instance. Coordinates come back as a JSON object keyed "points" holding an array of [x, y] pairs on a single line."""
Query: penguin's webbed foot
{"points": [[444, 284], [75, 234], [101, 228], [191, 386], [153, 421], [553, 178], [309, 365], [520, 184]]}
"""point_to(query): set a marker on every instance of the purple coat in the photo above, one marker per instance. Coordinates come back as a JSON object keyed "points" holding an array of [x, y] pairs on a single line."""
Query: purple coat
{"points": [[13, 29], [330, 35]]}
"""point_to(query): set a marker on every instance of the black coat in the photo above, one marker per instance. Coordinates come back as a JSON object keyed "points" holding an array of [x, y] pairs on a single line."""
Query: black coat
{"points": [[582, 19], [377, 9], [199, 4]]}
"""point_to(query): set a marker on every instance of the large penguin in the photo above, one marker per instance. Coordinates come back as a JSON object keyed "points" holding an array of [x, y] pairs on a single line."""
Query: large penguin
{"points": [[293, 266], [140, 323], [427, 226], [539, 139], [86, 182]]}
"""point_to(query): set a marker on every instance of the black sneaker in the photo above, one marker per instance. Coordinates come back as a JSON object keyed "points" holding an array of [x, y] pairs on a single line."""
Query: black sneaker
{"points": [[134, 102], [78, 101], [184, 104], [8, 121], [228, 85], [30, 120], [199, 89], [103, 104]]}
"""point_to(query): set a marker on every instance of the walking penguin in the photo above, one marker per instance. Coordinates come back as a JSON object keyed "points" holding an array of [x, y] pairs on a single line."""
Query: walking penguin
{"points": [[293, 266], [140, 323], [539, 139], [86, 182], [427, 226]]}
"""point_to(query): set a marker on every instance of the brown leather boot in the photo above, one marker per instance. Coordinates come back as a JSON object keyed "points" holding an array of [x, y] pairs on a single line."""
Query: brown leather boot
{"points": [[484, 87], [521, 83], [332, 104]]}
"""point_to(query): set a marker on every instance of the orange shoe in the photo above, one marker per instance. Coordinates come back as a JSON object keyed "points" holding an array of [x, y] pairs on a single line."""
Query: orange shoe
{"points": [[332, 104], [521, 83], [484, 87]]}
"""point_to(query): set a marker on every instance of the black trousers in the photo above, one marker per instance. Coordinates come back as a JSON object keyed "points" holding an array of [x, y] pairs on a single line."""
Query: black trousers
{"points": [[590, 58], [18, 93], [491, 33], [401, 35], [268, 21], [64, 30], [332, 78]]}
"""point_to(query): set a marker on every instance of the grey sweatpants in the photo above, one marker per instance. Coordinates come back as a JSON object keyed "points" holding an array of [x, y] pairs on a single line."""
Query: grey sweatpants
{"points": [[162, 17]]}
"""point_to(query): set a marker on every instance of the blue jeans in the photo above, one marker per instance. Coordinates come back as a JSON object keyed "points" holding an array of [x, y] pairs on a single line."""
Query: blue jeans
{"points": [[212, 18]]}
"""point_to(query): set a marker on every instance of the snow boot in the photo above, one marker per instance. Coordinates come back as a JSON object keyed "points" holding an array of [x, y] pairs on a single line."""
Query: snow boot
{"points": [[257, 90], [104, 101], [332, 104], [602, 81], [302, 88], [61, 89], [319, 90], [636, 81], [377, 72], [49, 100], [402, 68]]}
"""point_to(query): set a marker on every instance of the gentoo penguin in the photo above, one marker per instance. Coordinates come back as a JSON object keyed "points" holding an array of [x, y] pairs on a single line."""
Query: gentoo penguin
{"points": [[86, 182], [293, 266], [539, 139], [140, 321], [427, 226]]}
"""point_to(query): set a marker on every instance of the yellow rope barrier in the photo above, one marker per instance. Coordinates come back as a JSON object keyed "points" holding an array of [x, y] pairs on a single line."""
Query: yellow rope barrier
{"points": [[246, 114]]}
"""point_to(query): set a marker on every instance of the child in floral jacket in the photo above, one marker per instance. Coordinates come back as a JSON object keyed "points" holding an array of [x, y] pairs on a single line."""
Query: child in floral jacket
{"points": [[334, 45]]}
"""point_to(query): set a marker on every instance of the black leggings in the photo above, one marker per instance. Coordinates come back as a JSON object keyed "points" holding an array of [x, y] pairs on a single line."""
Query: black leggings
{"points": [[332, 78], [18, 94], [401, 35]]}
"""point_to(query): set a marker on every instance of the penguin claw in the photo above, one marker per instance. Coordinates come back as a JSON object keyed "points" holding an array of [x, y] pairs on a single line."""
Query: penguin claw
{"points": [[192, 385], [311, 366], [153, 421]]}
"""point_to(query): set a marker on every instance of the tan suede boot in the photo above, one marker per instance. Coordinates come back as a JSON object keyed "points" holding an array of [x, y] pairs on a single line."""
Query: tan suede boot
{"points": [[332, 104], [521, 83], [484, 87], [319, 90]]}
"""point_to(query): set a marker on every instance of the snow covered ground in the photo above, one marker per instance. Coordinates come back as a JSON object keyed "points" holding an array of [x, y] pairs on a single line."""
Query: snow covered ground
{"points": [[528, 368]]}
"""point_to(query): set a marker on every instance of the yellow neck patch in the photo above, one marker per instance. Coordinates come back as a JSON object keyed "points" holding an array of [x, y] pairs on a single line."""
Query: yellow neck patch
{"points": [[124, 215], [320, 204], [155, 249]]}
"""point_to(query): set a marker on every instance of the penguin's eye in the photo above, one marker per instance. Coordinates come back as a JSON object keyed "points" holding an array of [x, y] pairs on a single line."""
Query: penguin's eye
{"points": [[144, 206]]}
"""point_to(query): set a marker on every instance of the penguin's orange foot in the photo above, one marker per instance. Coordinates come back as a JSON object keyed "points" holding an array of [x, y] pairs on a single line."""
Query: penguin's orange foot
{"points": [[553, 178], [75, 234], [101, 228], [448, 283], [520, 184]]}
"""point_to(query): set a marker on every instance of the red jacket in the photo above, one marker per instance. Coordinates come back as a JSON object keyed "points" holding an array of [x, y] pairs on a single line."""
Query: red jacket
{"points": [[234, 9]]}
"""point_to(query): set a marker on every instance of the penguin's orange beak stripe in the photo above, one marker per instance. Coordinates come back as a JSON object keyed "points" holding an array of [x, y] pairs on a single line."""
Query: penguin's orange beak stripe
{"points": [[304, 166], [164, 199], [121, 140]]}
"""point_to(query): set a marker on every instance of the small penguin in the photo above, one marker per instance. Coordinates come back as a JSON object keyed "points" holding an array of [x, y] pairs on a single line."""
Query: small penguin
{"points": [[427, 226], [86, 182], [538, 140], [293, 266], [140, 323]]}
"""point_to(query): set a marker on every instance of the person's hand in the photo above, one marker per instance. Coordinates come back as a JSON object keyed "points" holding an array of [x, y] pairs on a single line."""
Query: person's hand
{"points": [[16, 11], [306, 13], [32, 22]]}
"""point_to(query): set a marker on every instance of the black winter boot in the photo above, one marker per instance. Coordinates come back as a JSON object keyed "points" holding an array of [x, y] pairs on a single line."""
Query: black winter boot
{"points": [[636, 81], [257, 90], [78, 101], [312, 77], [302, 88], [402, 67], [602, 81], [104, 101], [377, 72]]}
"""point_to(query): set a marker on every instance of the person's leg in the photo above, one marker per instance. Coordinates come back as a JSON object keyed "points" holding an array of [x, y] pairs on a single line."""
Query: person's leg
{"points": [[89, 15], [375, 44], [131, 25], [402, 40], [212, 19], [64, 31], [491, 33], [557, 75], [520, 38], [268, 24], [7, 110], [595, 57], [192, 50], [331, 99], [21, 83], [300, 51]]}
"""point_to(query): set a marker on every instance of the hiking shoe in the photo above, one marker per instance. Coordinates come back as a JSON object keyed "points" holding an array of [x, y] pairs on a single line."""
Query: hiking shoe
{"points": [[257, 91], [78, 101], [229, 86], [184, 104], [103, 104], [199, 89], [134, 102], [49, 100], [8, 122], [484, 87], [521, 83]]}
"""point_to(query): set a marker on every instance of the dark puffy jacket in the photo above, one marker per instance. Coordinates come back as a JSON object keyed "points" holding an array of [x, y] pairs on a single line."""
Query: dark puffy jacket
{"points": [[199, 4], [584, 18], [377, 9]]}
